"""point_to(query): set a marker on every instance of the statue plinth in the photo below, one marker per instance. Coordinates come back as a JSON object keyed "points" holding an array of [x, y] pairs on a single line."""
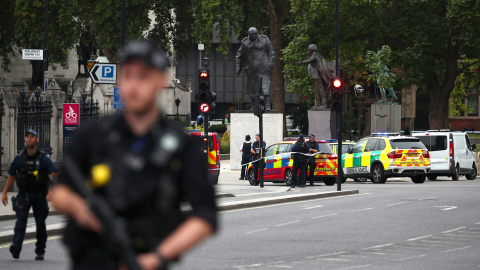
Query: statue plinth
{"points": [[322, 124], [386, 117]]}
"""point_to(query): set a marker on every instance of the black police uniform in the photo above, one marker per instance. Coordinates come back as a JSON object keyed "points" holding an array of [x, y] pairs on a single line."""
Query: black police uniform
{"points": [[32, 178], [246, 157], [151, 175], [311, 163], [299, 162], [256, 148]]}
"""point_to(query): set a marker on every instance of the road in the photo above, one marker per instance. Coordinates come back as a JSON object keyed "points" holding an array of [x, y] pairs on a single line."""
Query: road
{"points": [[398, 225]]}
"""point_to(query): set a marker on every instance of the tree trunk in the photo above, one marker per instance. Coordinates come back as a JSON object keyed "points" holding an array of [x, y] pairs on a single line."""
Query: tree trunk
{"points": [[438, 111], [278, 89]]}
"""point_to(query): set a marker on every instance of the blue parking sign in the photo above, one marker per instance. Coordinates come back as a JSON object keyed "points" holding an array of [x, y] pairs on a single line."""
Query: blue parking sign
{"points": [[117, 99]]}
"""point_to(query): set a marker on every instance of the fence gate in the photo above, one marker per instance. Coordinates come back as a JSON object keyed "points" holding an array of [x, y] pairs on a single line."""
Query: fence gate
{"points": [[34, 113]]}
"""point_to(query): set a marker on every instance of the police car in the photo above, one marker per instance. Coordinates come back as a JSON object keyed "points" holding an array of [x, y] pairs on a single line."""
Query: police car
{"points": [[279, 164], [380, 157]]}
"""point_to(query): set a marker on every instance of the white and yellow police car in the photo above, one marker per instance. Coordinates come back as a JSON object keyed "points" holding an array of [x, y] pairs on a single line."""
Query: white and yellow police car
{"points": [[381, 157]]}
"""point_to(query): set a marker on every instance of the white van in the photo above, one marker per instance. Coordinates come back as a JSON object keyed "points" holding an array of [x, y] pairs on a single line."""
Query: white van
{"points": [[451, 154]]}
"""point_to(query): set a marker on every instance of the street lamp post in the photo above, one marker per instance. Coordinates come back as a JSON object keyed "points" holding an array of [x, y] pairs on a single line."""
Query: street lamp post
{"points": [[358, 92]]}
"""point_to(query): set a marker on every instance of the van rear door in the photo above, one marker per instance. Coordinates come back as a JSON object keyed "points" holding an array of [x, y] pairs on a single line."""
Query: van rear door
{"points": [[437, 145]]}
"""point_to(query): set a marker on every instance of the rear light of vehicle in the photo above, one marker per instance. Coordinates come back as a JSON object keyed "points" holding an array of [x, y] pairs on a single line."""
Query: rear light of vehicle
{"points": [[394, 154], [451, 148], [426, 154]]}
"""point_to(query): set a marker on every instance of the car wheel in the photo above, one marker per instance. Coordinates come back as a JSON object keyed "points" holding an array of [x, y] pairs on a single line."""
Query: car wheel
{"points": [[432, 177], [456, 176], [418, 179], [360, 180], [473, 175], [288, 177], [330, 181], [378, 175], [251, 177]]}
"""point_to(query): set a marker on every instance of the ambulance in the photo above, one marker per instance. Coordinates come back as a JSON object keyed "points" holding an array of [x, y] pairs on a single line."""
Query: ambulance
{"points": [[213, 152], [279, 164], [381, 157]]}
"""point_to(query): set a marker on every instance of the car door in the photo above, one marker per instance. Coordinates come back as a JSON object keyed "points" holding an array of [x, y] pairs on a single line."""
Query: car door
{"points": [[368, 156], [269, 172], [352, 160], [281, 160]]}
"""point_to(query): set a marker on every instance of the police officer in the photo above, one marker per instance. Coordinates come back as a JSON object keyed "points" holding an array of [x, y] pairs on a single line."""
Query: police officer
{"points": [[246, 155], [255, 150], [152, 166], [311, 163], [31, 169], [299, 162]]}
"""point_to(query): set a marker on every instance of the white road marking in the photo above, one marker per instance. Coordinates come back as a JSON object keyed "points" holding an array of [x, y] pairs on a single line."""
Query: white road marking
{"points": [[455, 249], [8, 227], [248, 266], [325, 255], [447, 207], [324, 216], [334, 259], [462, 235], [283, 266], [418, 238], [291, 222], [408, 258], [365, 209], [375, 253], [456, 229], [354, 267], [426, 244], [312, 207], [379, 246], [396, 203], [478, 223], [420, 248], [261, 230]]}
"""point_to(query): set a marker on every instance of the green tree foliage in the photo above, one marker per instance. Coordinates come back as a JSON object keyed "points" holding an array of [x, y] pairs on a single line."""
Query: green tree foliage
{"points": [[430, 40], [377, 65], [7, 34]]}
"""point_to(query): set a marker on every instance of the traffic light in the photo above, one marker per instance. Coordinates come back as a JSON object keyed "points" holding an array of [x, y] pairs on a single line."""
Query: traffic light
{"points": [[337, 94], [259, 105], [211, 101], [203, 85]]}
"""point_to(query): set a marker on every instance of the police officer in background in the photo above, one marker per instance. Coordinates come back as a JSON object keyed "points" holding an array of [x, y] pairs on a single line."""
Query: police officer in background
{"points": [[31, 169], [311, 163], [152, 166], [299, 162], [255, 150], [246, 155]]}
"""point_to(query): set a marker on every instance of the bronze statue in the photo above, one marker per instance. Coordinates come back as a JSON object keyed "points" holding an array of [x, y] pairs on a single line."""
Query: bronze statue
{"points": [[386, 70], [257, 52], [322, 72]]}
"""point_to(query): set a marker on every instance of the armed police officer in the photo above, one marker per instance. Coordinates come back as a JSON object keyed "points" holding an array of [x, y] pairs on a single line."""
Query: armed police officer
{"points": [[31, 169], [147, 167], [256, 154], [299, 162], [311, 163]]}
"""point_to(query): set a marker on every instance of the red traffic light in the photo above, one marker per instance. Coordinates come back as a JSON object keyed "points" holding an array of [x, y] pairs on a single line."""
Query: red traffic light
{"points": [[337, 83], [203, 74]]}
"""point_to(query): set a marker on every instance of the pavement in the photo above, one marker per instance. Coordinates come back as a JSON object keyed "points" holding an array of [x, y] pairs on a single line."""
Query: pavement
{"points": [[231, 194]]}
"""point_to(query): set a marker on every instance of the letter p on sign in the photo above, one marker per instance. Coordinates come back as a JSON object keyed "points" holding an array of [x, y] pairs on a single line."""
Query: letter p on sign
{"points": [[107, 72]]}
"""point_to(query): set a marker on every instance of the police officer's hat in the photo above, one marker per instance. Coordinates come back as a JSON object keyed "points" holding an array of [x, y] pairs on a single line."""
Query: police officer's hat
{"points": [[311, 136], [145, 52], [300, 136], [31, 131]]}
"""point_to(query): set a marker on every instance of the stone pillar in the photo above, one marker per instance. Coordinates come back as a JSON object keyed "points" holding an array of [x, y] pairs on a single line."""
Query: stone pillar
{"points": [[409, 106], [322, 124], [244, 123]]}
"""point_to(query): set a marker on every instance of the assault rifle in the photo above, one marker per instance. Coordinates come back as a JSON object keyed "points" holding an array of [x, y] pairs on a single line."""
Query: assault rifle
{"points": [[114, 227]]}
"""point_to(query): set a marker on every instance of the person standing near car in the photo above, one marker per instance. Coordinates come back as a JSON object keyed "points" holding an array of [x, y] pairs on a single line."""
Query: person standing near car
{"points": [[31, 169], [311, 163], [299, 162], [255, 150], [246, 155]]}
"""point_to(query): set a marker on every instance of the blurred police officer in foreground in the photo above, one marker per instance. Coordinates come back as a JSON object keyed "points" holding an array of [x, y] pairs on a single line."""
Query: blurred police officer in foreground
{"points": [[299, 162], [311, 163], [255, 150], [144, 192], [31, 170]]}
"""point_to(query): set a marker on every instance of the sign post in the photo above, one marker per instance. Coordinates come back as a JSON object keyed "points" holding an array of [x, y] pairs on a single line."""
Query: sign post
{"points": [[71, 121]]}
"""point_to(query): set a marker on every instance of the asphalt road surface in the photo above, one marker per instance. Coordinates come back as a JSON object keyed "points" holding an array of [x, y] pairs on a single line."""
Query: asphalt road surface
{"points": [[397, 225]]}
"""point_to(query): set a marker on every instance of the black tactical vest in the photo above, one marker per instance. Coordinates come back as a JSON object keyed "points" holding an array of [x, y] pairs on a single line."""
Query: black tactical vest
{"points": [[246, 148], [30, 177]]}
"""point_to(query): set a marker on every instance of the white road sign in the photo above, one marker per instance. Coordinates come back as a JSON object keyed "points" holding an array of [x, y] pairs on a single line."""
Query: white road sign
{"points": [[102, 73], [204, 108], [28, 54]]}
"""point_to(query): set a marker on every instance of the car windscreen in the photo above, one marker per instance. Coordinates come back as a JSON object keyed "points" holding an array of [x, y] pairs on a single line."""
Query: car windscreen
{"points": [[325, 148], [434, 142], [407, 144]]}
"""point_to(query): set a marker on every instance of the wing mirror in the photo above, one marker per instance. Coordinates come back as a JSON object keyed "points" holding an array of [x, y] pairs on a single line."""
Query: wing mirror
{"points": [[474, 147]]}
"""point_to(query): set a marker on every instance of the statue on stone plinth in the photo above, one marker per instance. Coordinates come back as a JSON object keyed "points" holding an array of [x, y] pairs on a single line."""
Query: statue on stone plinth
{"points": [[390, 89], [257, 56], [322, 72], [377, 63]]}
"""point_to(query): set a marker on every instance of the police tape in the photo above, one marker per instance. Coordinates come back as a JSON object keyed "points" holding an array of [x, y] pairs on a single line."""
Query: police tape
{"points": [[286, 154]]}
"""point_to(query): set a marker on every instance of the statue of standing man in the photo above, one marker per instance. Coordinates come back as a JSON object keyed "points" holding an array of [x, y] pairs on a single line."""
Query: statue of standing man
{"points": [[257, 56], [322, 72]]}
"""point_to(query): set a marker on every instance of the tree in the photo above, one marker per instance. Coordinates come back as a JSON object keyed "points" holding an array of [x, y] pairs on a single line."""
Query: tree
{"points": [[431, 41], [7, 34]]}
